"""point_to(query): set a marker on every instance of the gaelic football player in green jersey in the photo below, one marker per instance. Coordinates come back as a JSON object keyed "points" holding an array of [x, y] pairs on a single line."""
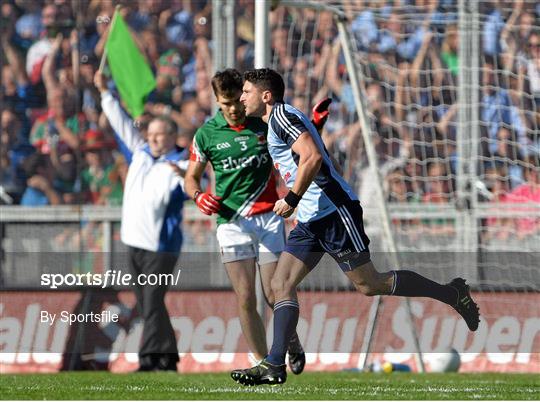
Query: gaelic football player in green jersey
{"points": [[248, 231]]}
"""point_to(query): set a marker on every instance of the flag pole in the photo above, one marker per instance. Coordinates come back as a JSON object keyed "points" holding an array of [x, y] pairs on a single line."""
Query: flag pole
{"points": [[104, 55], [103, 61]]}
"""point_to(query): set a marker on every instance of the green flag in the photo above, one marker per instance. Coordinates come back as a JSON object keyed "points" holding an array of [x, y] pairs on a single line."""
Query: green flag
{"points": [[132, 75]]}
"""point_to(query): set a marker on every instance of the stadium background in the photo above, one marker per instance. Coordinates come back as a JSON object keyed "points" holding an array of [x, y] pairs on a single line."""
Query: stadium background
{"points": [[451, 91]]}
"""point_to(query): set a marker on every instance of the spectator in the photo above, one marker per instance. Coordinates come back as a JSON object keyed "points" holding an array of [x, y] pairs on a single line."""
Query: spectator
{"points": [[398, 190], [60, 125], [498, 184], [40, 49], [438, 191], [144, 13], [533, 66], [450, 46], [508, 153], [280, 53], [514, 37], [14, 148], [497, 108], [177, 24], [40, 190], [15, 83], [398, 187], [438, 184], [390, 34], [492, 30], [528, 192], [190, 118], [364, 28], [100, 180], [29, 25]]}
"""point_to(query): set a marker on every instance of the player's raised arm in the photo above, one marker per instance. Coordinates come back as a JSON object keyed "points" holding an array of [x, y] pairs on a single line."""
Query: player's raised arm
{"points": [[121, 123], [319, 116]]}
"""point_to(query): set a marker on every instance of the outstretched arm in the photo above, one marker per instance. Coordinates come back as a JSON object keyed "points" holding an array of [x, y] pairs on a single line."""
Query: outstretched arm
{"points": [[47, 73], [14, 61], [121, 123]]}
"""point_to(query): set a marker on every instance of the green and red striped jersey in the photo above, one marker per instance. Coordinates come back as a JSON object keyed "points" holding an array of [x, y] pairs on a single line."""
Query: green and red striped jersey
{"points": [[241, 163]]}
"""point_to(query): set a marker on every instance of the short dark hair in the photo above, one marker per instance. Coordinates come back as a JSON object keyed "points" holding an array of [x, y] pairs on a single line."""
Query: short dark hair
{"points": [[33, 162], [267, 80], [170, 126], [227, 82]]}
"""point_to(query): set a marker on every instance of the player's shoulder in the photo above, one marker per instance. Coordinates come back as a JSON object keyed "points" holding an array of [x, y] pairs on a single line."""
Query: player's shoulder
{"points": [[286, 120], [207, 131], [290, 110], [209, 126]]}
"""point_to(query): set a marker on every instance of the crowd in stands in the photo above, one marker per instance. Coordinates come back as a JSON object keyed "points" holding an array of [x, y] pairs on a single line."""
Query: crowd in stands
{"points": [[408, 55], [57, 147]]}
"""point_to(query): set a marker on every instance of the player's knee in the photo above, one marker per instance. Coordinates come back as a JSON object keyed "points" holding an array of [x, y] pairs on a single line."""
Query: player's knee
{"points": [[279, 287], [270, 299]]}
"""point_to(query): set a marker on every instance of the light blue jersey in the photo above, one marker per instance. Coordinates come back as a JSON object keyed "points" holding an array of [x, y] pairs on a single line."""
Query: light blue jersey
{"points": [[329, 190]]}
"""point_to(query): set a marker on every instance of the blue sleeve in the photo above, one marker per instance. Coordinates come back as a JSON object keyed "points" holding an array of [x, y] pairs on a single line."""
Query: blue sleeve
{"points": [[34, 198]]}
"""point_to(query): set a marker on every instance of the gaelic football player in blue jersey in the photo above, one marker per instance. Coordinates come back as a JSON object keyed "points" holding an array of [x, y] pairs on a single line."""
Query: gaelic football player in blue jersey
{"points": [[329, 219]]}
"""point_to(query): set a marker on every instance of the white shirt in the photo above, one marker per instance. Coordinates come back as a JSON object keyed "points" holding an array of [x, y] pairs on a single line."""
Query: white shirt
{"points": [[153, 193]]}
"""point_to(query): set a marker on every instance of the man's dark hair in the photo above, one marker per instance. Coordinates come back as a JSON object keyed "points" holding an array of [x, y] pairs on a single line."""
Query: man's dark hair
{"points": [[33, 163], [267, 80], [170, 126], [227, 83]]}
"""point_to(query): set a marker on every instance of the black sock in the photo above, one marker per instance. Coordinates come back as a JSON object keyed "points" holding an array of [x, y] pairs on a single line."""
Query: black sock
{"points": [[286, 314], [411, 284]]}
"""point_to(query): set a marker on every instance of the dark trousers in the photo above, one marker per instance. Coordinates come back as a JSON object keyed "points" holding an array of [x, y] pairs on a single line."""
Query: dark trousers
{"points": [[158, 346]]}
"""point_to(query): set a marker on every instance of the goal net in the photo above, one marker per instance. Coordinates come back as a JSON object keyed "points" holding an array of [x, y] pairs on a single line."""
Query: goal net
{"points": [[451, 92]]}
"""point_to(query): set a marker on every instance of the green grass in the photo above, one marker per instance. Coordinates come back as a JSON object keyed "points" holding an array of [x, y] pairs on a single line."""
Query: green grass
{"points": [[325, 386]]}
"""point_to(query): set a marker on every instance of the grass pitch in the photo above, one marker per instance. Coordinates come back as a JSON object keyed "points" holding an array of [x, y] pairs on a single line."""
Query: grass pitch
{"points": [[314, 386]]}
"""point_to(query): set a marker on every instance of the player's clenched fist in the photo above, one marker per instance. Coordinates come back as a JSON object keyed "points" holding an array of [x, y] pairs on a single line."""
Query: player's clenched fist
{"points": [[207, 203], [283, 209]]}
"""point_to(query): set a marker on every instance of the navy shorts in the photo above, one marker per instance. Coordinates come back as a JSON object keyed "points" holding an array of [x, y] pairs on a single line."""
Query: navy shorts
{"points": [[340, 234]]}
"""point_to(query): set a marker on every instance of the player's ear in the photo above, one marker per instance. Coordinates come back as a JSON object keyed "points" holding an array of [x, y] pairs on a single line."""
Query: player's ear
{"points": [[266, 96]]}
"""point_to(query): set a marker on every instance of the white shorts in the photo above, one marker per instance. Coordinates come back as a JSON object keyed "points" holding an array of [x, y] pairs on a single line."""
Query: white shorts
{"points": [[259, 236]]}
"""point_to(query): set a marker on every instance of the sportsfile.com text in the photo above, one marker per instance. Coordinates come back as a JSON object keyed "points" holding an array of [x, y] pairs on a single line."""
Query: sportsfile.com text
{"points": [[109, 278]]}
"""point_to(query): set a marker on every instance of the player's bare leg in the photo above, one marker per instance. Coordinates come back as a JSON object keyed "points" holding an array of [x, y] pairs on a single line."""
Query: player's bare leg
{"points": [[242, 276], [367, 280], [267, 272], [289, 273]]}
